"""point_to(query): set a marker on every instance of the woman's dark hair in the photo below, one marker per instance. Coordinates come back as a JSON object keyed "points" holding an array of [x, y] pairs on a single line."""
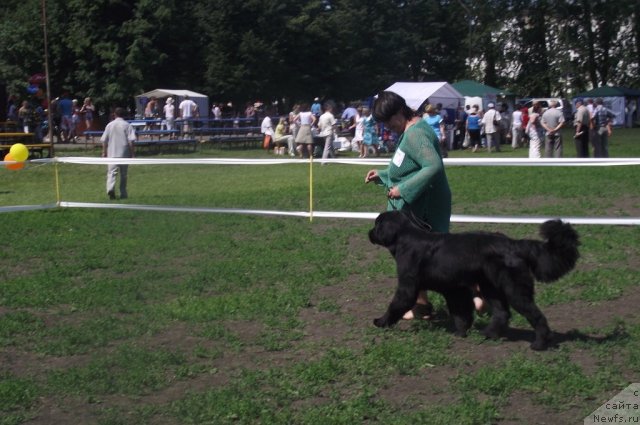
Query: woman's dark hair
{"points": [[388, 104], [537, 107]]}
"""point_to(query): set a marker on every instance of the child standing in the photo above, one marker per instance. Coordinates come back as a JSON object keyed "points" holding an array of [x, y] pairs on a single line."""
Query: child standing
{"points": [[369, 136]]}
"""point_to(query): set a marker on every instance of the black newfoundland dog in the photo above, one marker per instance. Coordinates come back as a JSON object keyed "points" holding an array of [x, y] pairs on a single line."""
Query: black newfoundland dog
{"points": [[453, 264]]}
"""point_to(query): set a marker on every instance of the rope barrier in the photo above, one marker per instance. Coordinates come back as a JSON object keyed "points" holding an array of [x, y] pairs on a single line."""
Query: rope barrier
{"points": [[16, 208], [504, 162], [456, 218]]}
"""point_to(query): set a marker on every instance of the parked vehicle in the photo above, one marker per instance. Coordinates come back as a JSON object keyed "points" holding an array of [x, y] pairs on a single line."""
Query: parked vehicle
{"points": [[563, 104]]}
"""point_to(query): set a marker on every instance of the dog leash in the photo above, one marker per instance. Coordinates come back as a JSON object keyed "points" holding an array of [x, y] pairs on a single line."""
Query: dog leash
{"points": [[422, 224]]}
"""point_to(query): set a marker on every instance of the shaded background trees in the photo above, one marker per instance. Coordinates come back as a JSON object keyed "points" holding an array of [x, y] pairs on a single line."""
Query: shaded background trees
{"points": [[288, 50]]}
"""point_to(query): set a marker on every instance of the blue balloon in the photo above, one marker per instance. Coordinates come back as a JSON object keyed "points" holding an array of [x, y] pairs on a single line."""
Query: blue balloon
{"points": [[33, 89]]}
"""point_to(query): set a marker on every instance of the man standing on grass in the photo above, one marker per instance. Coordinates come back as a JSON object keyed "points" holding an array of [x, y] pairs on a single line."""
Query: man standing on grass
{"points": [[552, 121], [326, 124], [188, 111], [117, 142], [581, 123], [491, 122], [602, 120]]}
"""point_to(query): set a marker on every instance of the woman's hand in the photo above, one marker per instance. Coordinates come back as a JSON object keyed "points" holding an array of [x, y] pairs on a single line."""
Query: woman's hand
{"points": [[394, 193], [371, 175]]}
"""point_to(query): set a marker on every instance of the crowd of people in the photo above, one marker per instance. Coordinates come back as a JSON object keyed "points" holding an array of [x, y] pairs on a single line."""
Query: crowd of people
{"points": [[297, 130], [306, 125], [536, 128], [70, 119]]}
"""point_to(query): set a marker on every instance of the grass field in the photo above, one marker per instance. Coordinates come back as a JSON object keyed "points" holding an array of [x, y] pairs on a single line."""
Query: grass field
{"points": [[140, 317]]}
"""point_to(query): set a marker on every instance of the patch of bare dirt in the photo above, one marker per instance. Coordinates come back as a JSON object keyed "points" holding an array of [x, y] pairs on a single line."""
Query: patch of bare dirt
{"points": [[429, 388], [522, 409]]}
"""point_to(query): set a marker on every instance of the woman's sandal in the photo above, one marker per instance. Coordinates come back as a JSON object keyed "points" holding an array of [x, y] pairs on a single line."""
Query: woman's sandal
{"points": [[421, 311]]}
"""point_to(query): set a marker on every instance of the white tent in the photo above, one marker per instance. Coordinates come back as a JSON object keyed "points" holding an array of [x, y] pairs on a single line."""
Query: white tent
{"points": [[416, 94], [178, 96]]}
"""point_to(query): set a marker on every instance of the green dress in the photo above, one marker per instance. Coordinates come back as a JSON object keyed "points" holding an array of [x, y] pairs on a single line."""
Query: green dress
{"points": [[417, 169]]}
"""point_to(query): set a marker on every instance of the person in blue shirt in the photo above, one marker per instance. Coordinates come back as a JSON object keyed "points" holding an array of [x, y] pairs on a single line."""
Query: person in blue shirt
{"points": [[316, 108], [436, 121], [65, 108], [473, 128]]}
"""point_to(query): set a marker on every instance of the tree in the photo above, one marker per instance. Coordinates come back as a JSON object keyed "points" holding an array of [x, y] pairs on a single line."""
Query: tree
{"points": [[291, 50]]}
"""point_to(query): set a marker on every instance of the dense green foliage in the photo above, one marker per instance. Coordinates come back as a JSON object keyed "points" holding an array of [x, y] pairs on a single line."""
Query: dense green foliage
{"points": [[342, 49]]}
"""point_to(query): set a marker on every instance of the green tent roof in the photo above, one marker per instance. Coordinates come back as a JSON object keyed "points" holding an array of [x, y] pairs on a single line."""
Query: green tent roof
{"points": [[608, 91], [473, 88]]}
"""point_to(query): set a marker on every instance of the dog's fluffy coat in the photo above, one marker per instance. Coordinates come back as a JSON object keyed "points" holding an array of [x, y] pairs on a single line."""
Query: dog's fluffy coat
{"points": [[454, 263]]}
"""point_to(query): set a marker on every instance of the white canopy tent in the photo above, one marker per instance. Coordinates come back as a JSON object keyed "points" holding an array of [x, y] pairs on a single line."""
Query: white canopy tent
{"points": [[416, 94], [178, 96]]}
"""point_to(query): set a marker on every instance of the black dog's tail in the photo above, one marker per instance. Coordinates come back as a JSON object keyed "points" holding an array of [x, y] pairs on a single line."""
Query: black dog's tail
{"points": [[557, 255]]}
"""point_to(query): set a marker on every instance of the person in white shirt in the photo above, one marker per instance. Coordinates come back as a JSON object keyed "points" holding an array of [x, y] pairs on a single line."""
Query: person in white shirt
{"points": [[359, 131], [217, 112], [326, 125], [517, 131], [266, 128], [169, 114], [491, 119], [188, 110], [117, 142]]}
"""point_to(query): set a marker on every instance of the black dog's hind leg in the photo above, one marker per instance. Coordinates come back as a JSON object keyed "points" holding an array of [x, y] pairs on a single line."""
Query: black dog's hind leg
{"points": [[500, 316], [460, 305], [521, 298], [537, 320], [499, 288], [403, 300]]}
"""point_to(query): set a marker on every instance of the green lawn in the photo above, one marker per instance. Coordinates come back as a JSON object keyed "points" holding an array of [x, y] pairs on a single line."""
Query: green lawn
{"points": [[146, 317]]}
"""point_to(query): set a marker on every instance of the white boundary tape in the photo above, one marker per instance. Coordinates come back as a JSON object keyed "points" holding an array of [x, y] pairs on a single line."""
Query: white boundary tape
{"points": [[456, 218], [505, 162], [15, 208]]}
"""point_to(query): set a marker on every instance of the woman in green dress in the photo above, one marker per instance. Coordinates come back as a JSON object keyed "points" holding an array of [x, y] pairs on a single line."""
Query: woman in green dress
{"points": [[415, 178]]}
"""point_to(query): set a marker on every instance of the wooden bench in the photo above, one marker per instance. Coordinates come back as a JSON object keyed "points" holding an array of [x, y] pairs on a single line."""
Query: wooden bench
{"points": [[158, 133], [210, 133], [93, 133], [234, 141], [226, 130], [218, 123], [9, 126], [16, 135], [159, 145], [36, 150]]}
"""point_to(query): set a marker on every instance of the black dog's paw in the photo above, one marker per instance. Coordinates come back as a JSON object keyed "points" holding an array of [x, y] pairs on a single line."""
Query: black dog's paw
{"points": [[540, 344], [462, 333], [490, 333], [381, 322]]}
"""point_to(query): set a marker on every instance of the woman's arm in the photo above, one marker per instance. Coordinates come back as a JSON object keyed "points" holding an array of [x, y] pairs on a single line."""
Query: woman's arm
{"points": [[423, 152]]}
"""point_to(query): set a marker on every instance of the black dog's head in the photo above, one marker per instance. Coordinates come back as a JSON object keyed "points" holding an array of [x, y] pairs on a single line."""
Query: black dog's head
{"points": [[387, 228]]}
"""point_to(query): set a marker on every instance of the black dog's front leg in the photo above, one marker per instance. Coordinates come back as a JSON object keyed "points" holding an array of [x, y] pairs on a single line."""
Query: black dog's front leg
{"points": [[403, 300]]}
